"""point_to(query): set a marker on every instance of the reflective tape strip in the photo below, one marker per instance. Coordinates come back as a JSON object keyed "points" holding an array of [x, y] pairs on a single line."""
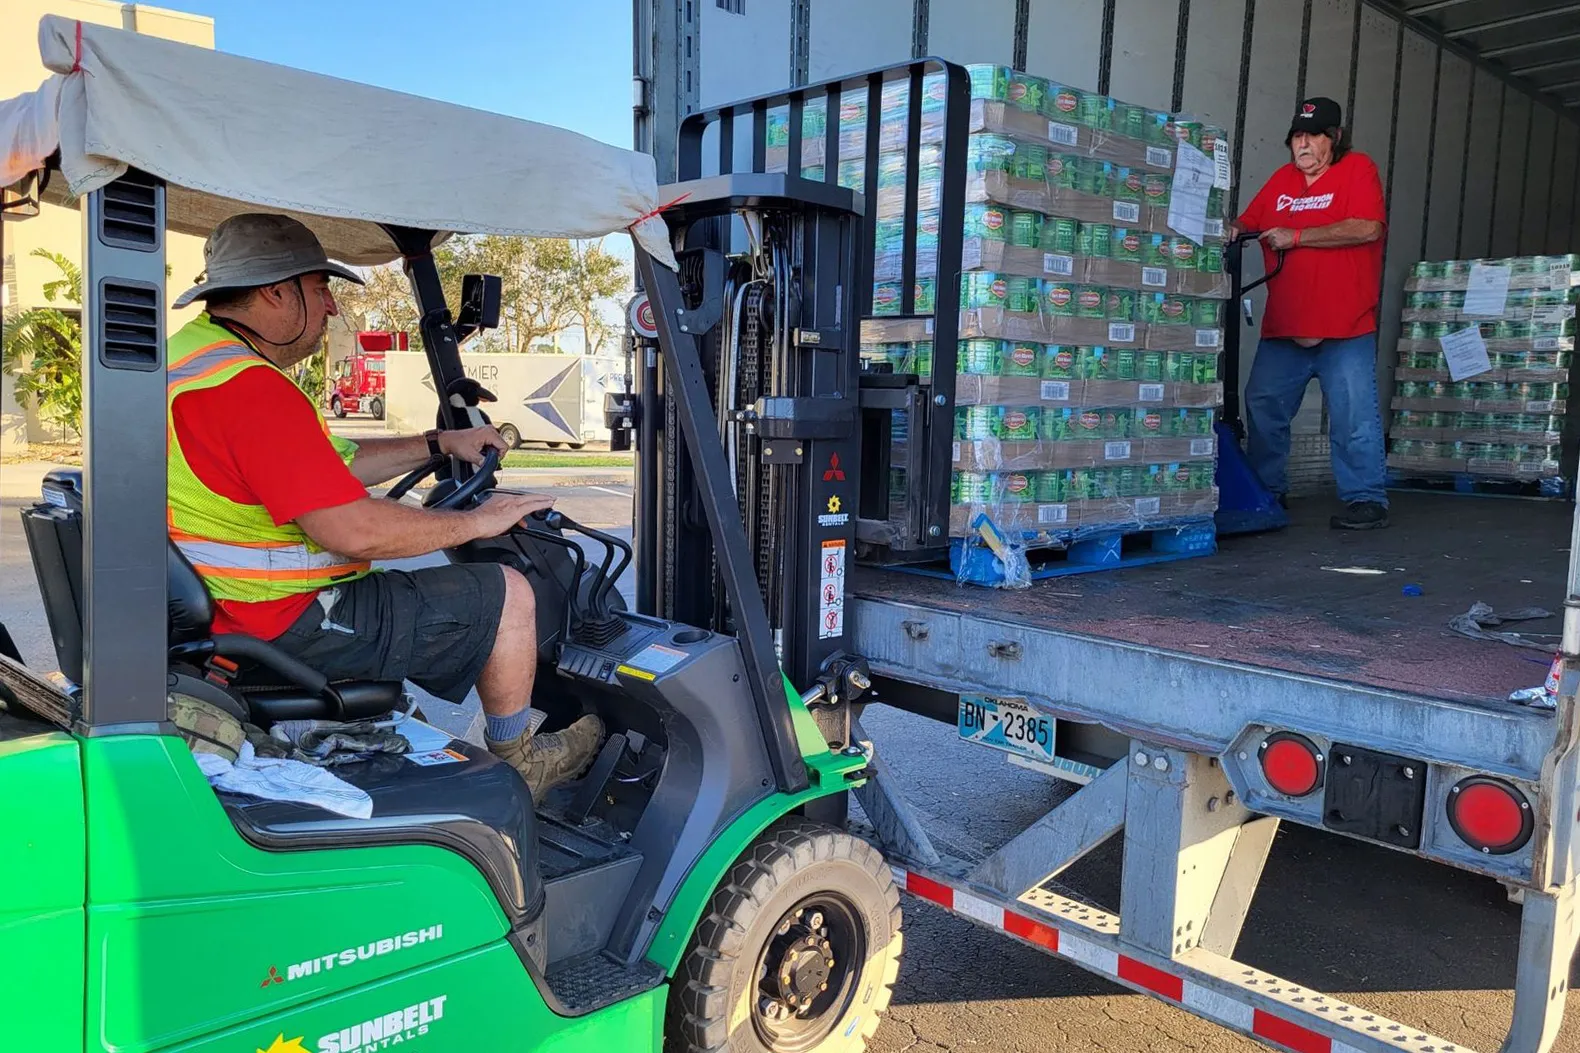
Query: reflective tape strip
{"points": [[1044, 936], [207, 362], [1285, 1033], [979, 909], [1206, 1002], [1094, 956], [284, 562], [1160, 983], [1220, 1008]]}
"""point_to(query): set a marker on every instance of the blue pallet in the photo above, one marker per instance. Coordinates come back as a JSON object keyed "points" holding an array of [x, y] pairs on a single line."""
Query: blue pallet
{"points": [[1087, 553], [1548, 489]]}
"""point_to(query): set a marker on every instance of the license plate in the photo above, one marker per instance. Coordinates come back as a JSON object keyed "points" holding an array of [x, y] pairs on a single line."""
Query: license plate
{"points": [[1008, 725]]}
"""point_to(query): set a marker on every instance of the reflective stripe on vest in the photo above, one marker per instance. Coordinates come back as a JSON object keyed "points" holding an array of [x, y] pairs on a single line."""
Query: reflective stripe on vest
{"points": [[237, 549]]}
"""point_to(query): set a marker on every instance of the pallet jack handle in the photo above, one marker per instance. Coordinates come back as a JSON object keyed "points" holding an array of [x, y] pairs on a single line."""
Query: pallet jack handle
{"points": [[1234, 261]]}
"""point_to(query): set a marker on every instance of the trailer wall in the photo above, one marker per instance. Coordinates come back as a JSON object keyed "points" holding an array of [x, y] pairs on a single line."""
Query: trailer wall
{"points": [[1471, 164]]}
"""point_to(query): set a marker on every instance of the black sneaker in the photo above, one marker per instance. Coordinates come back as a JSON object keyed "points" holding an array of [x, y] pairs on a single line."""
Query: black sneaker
{"points": [[1361, 515], [1283, 501]]}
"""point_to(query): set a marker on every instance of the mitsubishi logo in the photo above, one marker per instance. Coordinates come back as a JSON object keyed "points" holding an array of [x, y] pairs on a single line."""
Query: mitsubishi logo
{"points": [[834, 474]]}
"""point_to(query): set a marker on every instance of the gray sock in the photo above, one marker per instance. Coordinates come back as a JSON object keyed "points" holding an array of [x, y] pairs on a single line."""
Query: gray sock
{"points": [[505, 729]]}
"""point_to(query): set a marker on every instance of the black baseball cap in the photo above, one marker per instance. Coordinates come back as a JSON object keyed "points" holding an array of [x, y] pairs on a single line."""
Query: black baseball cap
{"points": [[1316, 116]]}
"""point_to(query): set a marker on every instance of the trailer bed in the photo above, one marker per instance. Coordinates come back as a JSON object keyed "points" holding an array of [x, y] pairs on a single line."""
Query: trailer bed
{"points": [[1292, 606]]}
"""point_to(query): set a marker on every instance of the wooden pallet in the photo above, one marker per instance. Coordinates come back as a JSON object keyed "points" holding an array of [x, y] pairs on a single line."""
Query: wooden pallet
{"points": [[1551, 488]]}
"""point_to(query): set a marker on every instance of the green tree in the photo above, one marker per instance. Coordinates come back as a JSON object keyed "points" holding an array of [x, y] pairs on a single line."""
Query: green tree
{"points": [[547, 286], [599, 278], [42, 346]]}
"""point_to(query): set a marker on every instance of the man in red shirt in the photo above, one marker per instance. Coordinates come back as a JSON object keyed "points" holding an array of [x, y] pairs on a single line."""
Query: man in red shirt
{"points": [[250, 455], [1325, 211]]}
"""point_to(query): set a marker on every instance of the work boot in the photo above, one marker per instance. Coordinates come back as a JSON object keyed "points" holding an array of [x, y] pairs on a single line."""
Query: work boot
{"points": [[549, 760], [1361, 515]]}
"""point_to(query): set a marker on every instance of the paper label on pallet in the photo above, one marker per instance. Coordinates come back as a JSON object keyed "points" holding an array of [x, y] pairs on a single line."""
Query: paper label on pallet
{"points": [[1221, 175], [1064, 266], [1154, 277], [1149, 393], [970, 255], [1560, 275], [1158, 157], [955, 454], [929, 327], [1466, 353], [831, 591], [1206, 338], [1063, 134], [1116, 451], [1545, 343], [1127, 212], [1201, 447], [1148, 506], [1121, 332], [1487, 294], [1056, 391], [1555, 315], [1213, 228], [1538, 407], [1052, 514]]}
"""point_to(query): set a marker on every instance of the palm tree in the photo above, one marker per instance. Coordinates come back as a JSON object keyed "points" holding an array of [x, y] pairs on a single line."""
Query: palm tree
{"points": [[42, 346]]}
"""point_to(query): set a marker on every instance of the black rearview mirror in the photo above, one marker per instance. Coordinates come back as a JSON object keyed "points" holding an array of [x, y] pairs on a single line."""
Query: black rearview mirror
{"points": [[480, 300]]}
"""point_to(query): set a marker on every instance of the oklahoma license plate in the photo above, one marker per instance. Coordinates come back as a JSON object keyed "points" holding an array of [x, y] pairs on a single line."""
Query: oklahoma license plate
{"points": [[1007, 724]]}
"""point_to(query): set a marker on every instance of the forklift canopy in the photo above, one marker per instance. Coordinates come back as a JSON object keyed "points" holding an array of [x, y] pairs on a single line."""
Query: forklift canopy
{"points": [[231, 134]]}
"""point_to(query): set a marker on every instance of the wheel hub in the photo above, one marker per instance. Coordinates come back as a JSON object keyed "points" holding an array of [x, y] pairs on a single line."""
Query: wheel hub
{"points": [[800, 963]]}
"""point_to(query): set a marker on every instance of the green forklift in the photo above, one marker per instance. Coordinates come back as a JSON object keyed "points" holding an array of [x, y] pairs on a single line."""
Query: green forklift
{"points": [[697, 889]]}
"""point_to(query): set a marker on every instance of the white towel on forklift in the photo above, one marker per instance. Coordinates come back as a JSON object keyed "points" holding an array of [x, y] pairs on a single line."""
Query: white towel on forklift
{"points": [[285, 780]]}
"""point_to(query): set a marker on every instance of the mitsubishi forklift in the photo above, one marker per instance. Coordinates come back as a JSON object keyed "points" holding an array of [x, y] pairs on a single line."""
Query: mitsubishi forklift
{"points": [[695, 890]]}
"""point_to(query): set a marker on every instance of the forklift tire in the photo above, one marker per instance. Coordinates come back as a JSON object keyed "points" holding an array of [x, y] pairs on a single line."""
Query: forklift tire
{"points": [[376, 407], [337, 407], [756, 978]]}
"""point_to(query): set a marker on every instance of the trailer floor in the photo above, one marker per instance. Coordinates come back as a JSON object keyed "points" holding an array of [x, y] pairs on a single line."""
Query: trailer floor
{"points": [[1301, 599]]}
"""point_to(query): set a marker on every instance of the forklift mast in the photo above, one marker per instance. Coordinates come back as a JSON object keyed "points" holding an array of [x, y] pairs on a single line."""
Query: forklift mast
{"points": [[776, 271], [762, 301]]}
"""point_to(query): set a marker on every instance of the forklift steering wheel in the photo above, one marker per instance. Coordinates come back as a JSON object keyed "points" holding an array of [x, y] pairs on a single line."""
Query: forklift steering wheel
{"points": [[482, 479]]}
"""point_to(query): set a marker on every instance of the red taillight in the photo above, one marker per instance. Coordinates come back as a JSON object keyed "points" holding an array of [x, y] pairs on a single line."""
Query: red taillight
{"points": [[1291, 764], [1489, 815]]}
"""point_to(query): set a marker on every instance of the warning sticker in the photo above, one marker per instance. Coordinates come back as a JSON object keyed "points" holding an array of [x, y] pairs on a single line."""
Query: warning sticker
{"points": [[656, 658], [432, 757], [831, 591]]}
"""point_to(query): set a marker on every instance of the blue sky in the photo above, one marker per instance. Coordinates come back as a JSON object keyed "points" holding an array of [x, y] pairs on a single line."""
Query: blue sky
{"points": [[567, 64], [562, 63]]}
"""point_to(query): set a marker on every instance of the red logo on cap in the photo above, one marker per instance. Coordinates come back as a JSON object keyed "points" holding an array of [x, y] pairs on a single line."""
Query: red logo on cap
{"points": [[1308, 109]]}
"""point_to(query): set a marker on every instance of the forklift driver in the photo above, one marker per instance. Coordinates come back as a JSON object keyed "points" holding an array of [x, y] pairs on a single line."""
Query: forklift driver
{"points": [[275, 515]]}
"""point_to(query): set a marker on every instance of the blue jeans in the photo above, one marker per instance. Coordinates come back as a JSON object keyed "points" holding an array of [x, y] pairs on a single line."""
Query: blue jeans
{"points": [[1347, 371]]}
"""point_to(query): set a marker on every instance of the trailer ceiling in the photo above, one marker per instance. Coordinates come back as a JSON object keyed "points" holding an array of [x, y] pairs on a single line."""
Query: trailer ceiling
{"points": [[1534, 41]]}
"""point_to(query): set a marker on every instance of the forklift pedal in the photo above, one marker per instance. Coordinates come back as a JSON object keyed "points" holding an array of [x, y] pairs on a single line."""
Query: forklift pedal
{"points": [[592, 787]]}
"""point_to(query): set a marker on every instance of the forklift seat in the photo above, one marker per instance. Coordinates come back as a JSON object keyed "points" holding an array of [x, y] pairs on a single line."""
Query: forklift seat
{"points": [[273, 685]]}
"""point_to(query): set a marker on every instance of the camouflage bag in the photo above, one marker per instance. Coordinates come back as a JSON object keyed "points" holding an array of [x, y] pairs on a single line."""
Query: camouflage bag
{"points": [[206, 728]]}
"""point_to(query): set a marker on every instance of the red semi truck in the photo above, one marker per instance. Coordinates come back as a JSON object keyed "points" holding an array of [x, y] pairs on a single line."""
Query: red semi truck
{"points": [[358, 382]]}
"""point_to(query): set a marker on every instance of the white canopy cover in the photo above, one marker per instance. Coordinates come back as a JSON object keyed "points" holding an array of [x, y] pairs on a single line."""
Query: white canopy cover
{"points": [[231, 134]]}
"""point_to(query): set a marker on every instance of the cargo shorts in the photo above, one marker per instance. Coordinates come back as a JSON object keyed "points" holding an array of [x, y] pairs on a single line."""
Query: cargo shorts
{"points": [[434, 627]]}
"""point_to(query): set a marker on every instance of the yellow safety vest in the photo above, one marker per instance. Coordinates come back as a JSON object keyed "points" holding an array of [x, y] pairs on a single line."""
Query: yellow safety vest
{"points": [[237, 548]]}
